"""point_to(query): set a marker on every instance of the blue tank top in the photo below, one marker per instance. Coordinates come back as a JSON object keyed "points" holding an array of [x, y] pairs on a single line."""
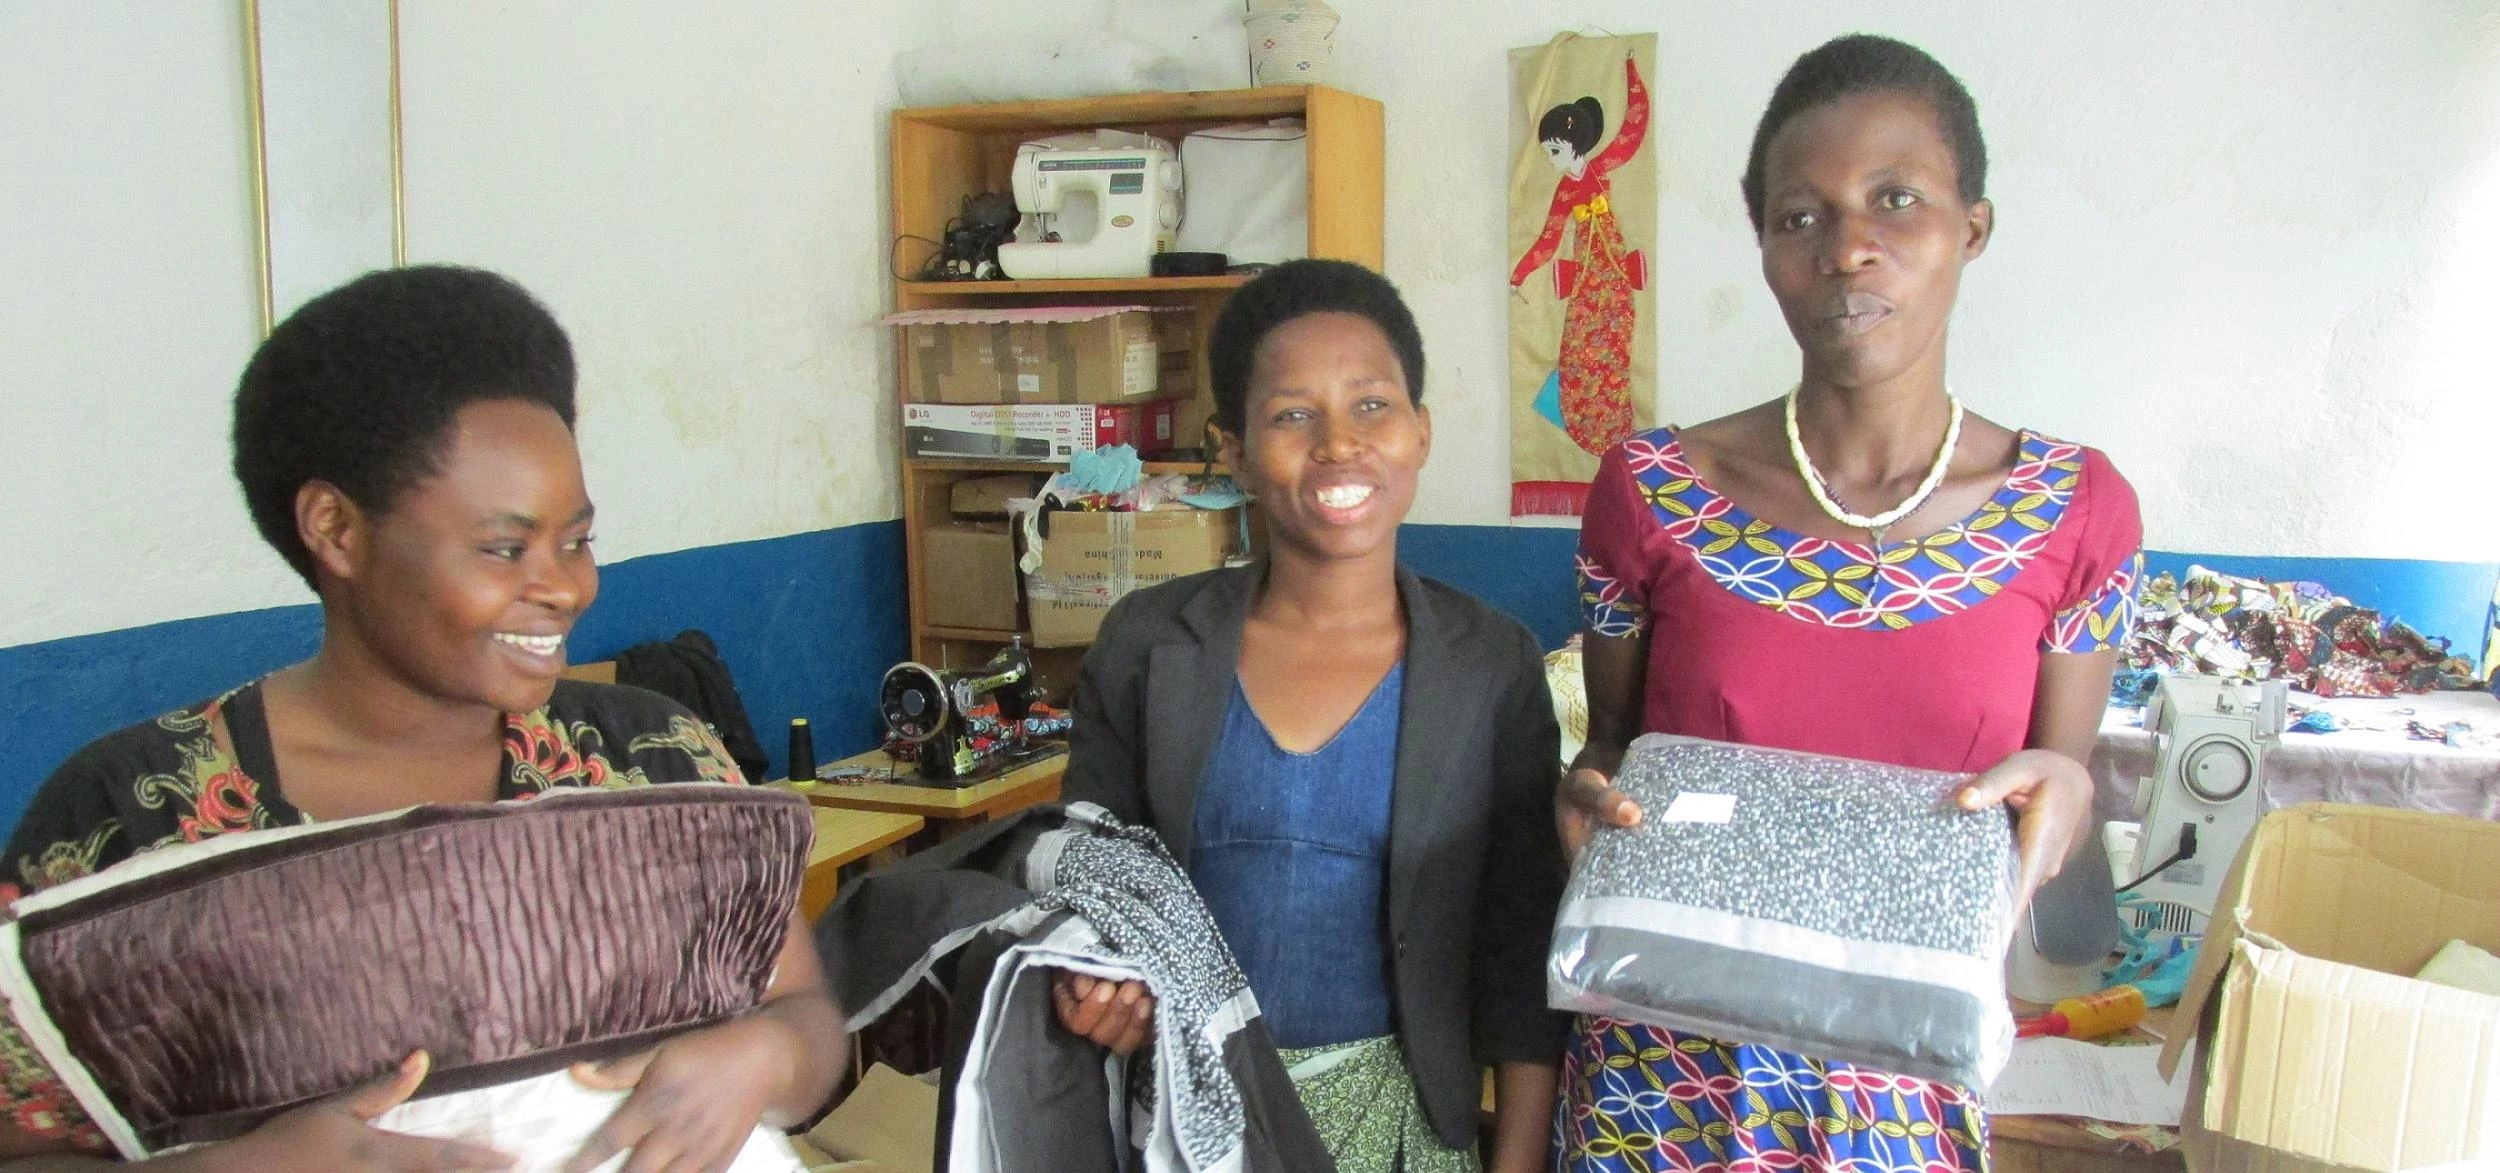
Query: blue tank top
{"points": [[1291, 854]]}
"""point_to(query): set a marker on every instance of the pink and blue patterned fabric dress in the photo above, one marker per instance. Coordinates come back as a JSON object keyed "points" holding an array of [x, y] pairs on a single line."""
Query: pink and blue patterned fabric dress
{"points": [[1924, 654]]}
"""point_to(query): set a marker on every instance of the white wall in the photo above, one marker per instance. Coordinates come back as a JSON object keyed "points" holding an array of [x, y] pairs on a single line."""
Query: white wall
{"points": [[699, 194], [129, 300], [696, 191], [2247, 247]]}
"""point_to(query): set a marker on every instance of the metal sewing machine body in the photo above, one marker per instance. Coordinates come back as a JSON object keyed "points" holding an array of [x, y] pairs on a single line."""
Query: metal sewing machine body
{"points": [[930, 708]]}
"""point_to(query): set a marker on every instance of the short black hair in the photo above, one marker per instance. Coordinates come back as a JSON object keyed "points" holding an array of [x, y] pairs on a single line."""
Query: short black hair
{"points": [[1864, 64], [1579, 123], [359, 387], [1292, 290]]}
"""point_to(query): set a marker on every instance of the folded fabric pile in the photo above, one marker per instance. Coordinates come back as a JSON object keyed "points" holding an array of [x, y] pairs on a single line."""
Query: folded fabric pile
{"points": [[1839, 909], [193, 992], [2242, 628], [991, 916]]}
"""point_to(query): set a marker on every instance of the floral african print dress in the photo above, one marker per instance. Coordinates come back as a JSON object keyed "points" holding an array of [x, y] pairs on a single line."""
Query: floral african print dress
{"points": [[169, 781], [1924, 653]]}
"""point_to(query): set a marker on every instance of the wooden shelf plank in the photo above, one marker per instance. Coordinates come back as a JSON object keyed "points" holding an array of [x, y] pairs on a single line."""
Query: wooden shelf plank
{"points": [[961, 464], [979, 633], [1117, 109], [951, 464], [1073, 285]]}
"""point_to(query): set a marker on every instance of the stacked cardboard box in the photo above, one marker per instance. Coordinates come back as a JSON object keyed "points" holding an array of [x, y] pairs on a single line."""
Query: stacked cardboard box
{"points": [[1041, 432], [1091, 560], [2321, 1052]]}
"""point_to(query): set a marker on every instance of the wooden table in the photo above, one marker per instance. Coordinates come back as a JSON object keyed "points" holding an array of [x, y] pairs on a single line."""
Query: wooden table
{"points": [[2054, 1144], [845, 837], [949, 809], [2007, 1154]]}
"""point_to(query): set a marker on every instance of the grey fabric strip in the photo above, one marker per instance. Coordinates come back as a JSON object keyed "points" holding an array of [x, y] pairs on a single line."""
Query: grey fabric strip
{"points": [[1748, 997]]}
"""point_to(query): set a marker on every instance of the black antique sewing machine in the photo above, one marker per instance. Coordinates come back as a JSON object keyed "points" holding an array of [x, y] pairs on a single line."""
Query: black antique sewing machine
{"points": [[931, 709]]}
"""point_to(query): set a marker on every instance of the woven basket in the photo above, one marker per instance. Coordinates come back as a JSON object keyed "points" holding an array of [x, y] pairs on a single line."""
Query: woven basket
{"points": [[1290, 46]]}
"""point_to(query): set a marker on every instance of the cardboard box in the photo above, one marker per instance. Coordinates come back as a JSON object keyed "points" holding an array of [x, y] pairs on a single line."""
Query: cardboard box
{"points": [[1090, 560], [976, 498], [890, 1120], [2320, 1051], [1033, 431], [816, 1160], [1047, 354], [968, 576]]}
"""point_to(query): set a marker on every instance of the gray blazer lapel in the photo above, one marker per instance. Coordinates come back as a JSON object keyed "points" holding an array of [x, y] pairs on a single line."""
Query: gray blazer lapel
{"points": [[1431, 720], [1189, 686]]}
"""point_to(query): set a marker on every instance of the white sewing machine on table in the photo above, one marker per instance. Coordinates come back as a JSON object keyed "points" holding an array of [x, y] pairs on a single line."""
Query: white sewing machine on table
{"points": [[1098, 205]]}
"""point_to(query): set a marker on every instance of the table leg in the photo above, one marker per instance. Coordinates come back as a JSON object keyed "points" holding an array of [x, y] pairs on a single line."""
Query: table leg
{"points": [[817, 890]]}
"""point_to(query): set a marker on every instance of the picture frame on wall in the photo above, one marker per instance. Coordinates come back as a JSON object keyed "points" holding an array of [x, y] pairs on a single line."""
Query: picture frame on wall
{"points": [[325, 124]]}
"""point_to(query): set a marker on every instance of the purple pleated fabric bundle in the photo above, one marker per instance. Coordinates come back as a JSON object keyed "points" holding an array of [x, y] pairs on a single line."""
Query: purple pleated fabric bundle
{"points": [[206, 988]]}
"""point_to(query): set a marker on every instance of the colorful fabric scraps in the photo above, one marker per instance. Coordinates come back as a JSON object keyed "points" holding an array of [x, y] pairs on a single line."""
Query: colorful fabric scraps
{"points": [[989, 734], [2245, 629], [2453, 734]]}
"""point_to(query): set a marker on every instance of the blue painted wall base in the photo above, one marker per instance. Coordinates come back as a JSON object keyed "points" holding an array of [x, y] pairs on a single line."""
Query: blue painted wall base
{"points": [[808, 624], [1524, 570]]}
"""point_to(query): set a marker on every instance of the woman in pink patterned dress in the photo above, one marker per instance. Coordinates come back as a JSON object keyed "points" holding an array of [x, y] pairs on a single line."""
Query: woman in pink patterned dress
{"points": [[1968, 621], [1595, 367]]}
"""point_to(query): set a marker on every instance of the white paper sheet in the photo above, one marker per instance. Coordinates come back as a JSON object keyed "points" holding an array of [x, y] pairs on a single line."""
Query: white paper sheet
{"points": [[1690, 807], [2062, 1077]]}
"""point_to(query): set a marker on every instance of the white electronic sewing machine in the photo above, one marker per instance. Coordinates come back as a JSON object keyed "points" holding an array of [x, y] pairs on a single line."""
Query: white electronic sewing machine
{"points": [[1100, 210]]}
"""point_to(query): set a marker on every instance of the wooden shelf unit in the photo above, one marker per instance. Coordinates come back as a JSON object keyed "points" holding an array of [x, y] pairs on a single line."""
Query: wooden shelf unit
{"points": [[941, 154], [945, 291]]}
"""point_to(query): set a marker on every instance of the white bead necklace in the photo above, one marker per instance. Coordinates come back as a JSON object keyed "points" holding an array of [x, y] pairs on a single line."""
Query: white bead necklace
{"points": [[1877, 524]]}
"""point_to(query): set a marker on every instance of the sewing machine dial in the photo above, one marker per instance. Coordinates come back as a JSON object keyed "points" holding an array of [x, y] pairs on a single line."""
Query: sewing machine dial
{"points": [[912, 702], [2217, 769]]}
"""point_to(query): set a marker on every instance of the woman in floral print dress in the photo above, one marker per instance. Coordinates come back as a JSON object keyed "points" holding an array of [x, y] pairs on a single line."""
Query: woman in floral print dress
{"points": [[406, 443], [1968, 621]]}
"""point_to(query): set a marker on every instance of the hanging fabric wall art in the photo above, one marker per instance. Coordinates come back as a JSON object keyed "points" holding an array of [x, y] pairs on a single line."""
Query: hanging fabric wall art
{"points": [[1583, 221]]}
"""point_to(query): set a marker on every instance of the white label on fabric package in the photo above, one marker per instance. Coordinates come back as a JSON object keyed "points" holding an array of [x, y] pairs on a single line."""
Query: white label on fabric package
{"points": [[1689, 807]]}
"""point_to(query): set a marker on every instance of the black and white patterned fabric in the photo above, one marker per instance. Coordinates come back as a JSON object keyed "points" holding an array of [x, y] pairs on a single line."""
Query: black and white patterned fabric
{"points": [[1073, 888], [1841, 909], [1140, 905]]}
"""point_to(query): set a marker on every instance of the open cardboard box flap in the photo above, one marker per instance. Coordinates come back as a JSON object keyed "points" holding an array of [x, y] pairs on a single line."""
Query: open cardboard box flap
{"points": [[2316, 1043], [888, 1122]]}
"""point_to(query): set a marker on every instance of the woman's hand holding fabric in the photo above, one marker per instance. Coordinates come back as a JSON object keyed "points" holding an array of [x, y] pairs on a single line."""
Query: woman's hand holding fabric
{"points": [[1588, 800], [338, 1133], [696, 1098], [2051, 797], [1117, 1015]]}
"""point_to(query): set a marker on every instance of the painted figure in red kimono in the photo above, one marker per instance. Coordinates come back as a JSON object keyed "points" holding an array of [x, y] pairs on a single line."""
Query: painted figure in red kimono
{"points": [[1590, 393]]}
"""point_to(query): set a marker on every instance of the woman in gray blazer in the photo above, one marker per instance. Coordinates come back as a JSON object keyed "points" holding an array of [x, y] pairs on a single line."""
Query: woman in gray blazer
{"points": [[1356, 765]]}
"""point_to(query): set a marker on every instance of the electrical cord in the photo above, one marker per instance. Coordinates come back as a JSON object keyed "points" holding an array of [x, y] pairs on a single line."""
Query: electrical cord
{"points": [[925, 266], [2186, 851]]}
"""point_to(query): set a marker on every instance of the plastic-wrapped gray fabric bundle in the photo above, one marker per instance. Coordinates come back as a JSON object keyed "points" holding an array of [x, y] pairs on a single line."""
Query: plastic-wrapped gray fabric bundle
{"points": [[1835, 908]]}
